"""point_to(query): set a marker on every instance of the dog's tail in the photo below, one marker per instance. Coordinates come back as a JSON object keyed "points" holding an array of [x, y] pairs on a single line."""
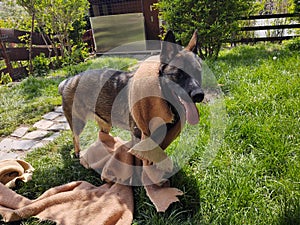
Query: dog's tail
{"points": [[61, 86]]}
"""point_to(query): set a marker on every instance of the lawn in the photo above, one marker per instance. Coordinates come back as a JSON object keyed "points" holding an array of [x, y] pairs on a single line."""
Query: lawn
{"points": [[245, 156], [27, 101]]}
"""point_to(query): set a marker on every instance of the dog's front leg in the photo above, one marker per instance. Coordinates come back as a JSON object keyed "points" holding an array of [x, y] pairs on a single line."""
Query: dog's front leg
{"points": [[76, 146], [150, 152]]}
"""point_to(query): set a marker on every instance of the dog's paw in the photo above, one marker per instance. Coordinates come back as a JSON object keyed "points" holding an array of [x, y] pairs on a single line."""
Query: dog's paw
{"points": [[150, 151], [76, 155]]}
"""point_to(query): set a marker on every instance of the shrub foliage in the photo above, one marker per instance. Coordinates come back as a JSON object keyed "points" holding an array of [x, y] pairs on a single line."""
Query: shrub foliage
{"points": [[215, 20]]}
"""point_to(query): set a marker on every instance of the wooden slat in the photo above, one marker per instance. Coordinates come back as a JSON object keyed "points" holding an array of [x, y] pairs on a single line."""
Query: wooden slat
{"points": [[258, 39], [271, 27], [272, 16], [12, 36], [268, 27], [19, 54], [4, 56], [16, 73]]}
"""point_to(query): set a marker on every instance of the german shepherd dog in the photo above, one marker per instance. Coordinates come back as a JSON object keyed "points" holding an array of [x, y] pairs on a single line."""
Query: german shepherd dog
{"points": [[95, 92]]}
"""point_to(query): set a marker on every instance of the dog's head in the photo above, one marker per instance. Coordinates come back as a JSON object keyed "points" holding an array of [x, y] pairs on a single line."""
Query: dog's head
{"points": [[180, 73]]}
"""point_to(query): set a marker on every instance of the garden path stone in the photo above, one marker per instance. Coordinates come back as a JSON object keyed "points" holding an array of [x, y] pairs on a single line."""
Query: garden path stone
{"points": [[6, 144], [8, 155], [59, 126], [40, 144], [21, 141], [61, 119], [52, 137], [34, 135], [59, 109], [23, 144], [20, 132], [12, 144], [51, 115], [43, 124]]}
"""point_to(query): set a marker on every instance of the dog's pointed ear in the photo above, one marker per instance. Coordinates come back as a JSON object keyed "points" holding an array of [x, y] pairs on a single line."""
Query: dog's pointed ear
{"points": [[169, 48], [193, 43]]}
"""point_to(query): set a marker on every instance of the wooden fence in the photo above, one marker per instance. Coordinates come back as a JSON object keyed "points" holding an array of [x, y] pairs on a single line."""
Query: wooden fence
{"points": [[10, 50], [238, 38]]}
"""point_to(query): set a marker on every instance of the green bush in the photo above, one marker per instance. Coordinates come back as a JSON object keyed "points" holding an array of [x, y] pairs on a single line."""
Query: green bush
{"points": [[5, 78], [293, 44], [40, 65], [78, 54], [297, 7], [215, 20]]}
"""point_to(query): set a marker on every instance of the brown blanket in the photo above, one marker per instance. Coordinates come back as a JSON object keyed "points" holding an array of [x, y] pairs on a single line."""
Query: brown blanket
{"points": [[74, 203], [110, 157], [83, 203], [13, 170]]}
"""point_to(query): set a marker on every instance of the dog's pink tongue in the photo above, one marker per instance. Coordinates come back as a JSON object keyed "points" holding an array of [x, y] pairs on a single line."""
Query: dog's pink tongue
{"points": [[192, 114]]}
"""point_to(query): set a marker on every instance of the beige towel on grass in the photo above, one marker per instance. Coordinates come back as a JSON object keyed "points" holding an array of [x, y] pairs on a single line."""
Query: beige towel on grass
{"points": [[74, 203], [111, 158], [82, 203], [77, 202], [14, 170]]}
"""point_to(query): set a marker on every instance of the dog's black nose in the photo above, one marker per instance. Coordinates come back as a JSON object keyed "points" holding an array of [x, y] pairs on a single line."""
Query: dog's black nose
{"points": [[197, 95]]}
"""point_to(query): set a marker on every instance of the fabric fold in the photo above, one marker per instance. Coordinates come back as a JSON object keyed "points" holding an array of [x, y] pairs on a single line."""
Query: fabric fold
{"points": [[153, 178], [74, 203], [80, 202], [14, 170]]}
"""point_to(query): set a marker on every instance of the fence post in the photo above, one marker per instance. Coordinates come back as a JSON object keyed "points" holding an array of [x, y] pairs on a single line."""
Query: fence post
{"points": [[5, 56]]}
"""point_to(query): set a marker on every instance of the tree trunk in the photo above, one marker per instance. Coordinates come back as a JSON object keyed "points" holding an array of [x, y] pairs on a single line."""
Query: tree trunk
{"points": [[30, 44]]}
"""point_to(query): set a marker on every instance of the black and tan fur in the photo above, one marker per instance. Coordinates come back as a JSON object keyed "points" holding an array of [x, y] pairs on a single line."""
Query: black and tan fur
{"points": [[97, 93]]}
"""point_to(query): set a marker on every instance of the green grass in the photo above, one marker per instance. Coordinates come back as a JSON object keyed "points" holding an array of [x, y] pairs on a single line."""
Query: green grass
{"points": [[255, 177], [245, 161], [24, 103]]}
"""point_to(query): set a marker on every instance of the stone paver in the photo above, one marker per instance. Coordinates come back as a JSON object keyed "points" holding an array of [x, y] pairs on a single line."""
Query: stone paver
{"points": [[8, 155], [20, 132], [12, 144], [59, 109], [40, 144], [59, 126], [52, 137], [6, 144], [51, 115], [43, 124], [35, 135], [61, 119], [22, 140], [23, 144]]}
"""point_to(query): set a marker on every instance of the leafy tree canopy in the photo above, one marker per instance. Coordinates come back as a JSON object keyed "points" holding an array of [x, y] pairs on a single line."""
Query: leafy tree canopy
{"points": [[61, 22], [215, 20], [13, 15]]}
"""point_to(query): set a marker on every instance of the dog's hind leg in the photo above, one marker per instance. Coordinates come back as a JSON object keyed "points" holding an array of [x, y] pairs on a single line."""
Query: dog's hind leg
{"points": [[76, 145], [103, 125], [77, 128]]}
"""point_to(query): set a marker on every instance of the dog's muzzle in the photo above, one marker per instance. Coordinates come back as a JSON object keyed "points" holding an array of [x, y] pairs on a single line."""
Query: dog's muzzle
{"points": [[197, 95]]}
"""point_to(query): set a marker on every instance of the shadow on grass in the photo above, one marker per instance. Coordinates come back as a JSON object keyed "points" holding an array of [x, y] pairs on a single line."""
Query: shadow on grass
{"points": [[181, 212], [54, 166], [190, 201], [291, 215]]}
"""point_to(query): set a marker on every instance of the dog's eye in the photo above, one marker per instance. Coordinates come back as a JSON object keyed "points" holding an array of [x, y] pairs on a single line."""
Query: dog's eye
{"points": [[180, 76], [175, 77]]}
